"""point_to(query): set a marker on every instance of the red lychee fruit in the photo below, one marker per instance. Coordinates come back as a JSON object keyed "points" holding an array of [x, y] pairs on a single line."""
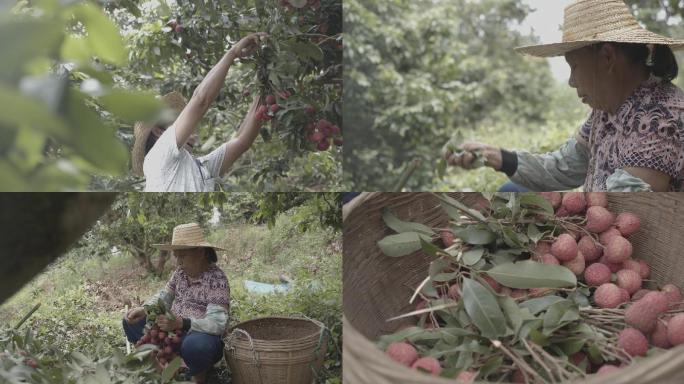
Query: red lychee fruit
{"points": [[675, 330], [275, 108], [599, 219], [643, 314], [447, 238], [454, 291], [429, 364], [640, 293], [541, 248], [564, 248], [402, 352], [629, 280], [633, 342], [659, 335], [597, 274], [549, 259], [554, 198], [614, 267], [618, 250], [591, 251], [596, 199], [576, 265], [672, 293], [465, 377], [607, 368], [606, 236], [492, 283], [270, 99], [310, 110], [574, 202], [608, 296], [627, 223]]}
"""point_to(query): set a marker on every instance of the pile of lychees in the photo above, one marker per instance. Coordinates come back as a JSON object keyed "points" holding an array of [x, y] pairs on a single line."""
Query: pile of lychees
{"points": [[167, 343], [609, 297]]}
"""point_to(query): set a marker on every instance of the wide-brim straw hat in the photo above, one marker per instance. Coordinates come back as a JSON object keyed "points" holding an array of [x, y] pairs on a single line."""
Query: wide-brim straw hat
{"points": [[142, 130], [186, 236], [587, 22]]}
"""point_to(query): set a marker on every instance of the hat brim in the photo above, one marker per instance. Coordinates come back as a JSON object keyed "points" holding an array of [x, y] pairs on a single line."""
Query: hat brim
{"points": [[636, 36], [170, 247]]}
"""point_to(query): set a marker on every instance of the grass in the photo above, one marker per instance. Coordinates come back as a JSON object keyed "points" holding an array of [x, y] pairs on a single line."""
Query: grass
{"points": [[560, 124], [83, 298]]}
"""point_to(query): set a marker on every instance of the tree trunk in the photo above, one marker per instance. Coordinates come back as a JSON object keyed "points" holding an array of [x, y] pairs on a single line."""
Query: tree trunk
{"points": [[161, 262], [37, 228]]}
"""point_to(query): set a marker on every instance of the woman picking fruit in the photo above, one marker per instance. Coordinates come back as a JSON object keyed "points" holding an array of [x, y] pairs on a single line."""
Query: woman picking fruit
{"points": [[198, 295], [162, 152], [634, 138]]}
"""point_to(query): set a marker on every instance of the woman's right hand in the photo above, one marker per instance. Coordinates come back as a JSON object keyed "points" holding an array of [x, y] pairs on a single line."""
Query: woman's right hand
{"points": [[466, 157], [135, 315], [248, 44]]}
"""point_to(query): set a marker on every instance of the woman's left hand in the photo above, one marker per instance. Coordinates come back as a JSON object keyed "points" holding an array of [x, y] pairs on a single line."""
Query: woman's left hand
{"points": [[166, 324]]}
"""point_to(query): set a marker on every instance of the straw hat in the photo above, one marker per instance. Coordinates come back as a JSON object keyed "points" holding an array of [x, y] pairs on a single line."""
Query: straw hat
{"points": [[186, 236], [588, 22], [142, 130]]}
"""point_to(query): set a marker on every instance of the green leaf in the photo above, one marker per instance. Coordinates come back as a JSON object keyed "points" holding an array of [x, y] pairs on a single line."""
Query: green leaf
{"points": [[401, 244], [475, 236], [428, 247], [541, 304], [93, 140], [534, 200], [454, 208], [558, 315], [171, 369], [305, 50], [512, 311], [26, 39], [483, 309], [103, 38], [472, 256], [131, 106], [533, 233], [530, 274], [400, 226]]}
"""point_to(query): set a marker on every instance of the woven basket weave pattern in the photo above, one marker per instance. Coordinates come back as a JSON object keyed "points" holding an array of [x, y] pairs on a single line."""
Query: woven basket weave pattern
{"points": [[282, 350]]}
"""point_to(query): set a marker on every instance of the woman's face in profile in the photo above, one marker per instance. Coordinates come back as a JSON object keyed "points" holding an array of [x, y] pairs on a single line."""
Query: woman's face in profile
{"points": [[583, 75]]}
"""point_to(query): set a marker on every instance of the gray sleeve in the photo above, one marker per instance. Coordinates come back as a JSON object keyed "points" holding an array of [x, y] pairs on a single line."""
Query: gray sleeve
{"points": [[214, 323], [561, 170], [623, 181], [164, 295]]}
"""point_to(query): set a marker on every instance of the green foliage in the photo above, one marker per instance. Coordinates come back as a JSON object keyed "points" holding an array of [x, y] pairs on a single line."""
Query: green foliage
{"points": [[55, 87], [84, 293], [138, 220], [418, 72], [302, 55]]}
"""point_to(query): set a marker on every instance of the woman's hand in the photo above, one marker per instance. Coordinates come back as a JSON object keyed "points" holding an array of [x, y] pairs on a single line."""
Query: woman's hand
{"points": [[466, 158], [247, 45], [135, 315], [166, 324]]}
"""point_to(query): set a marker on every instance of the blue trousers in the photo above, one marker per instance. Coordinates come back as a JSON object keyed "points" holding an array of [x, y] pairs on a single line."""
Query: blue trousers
{"points": [[200, 351], [512, 187]]}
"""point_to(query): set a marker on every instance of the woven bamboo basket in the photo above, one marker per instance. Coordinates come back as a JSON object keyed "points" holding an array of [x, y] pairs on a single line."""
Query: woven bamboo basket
{"points": [[276, 350], [376, 286]]}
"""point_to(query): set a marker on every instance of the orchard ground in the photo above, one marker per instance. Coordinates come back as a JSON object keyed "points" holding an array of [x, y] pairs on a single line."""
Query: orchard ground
{"points": [[83, 297]]}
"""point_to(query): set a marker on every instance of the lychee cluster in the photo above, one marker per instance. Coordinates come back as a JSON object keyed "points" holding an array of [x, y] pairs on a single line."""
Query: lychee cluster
{"points": [[168, 343], [595, 246], [321, 132]]}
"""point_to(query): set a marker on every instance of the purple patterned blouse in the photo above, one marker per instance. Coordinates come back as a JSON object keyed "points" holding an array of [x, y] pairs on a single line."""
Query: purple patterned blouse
{"points": [[193, 296], [646, 132]]}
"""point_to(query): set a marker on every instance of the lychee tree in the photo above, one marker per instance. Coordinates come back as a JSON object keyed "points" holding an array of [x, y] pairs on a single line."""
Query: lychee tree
{"points": [[297, 71]]}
